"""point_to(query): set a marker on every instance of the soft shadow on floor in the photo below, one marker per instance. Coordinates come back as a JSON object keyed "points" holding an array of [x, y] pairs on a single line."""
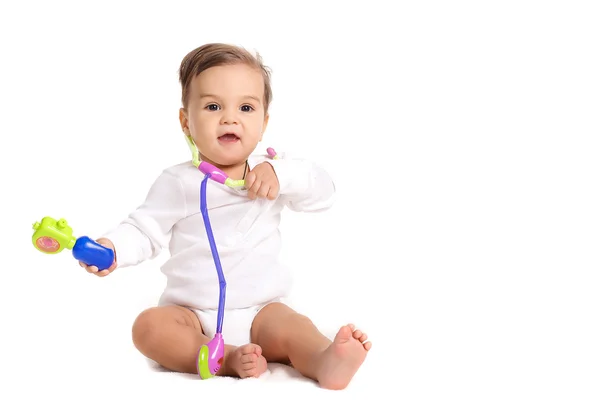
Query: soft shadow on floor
{"points": [[275, 372]]}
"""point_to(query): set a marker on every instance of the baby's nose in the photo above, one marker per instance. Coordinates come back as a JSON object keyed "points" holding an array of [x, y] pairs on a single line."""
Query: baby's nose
{"points": [[229, 118]]}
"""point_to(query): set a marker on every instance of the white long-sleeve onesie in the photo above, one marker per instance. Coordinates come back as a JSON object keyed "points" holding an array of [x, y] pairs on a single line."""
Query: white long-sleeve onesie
{"points": [[246, 233]]}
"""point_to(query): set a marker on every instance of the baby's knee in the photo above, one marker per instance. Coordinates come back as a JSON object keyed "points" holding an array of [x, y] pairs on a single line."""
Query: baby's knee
{"points": [[146, 327], [294, 321]]}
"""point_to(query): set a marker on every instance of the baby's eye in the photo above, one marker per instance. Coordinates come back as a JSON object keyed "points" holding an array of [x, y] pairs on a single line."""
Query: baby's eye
{"points": [[247, 108], [213, 107]]}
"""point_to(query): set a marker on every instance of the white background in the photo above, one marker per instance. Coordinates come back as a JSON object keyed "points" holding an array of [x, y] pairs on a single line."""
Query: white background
{"points": [[463, 138]]}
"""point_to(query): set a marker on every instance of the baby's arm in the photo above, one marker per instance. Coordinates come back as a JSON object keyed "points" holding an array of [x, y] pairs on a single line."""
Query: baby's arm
{"points": [[146, 231], [303, 184]]}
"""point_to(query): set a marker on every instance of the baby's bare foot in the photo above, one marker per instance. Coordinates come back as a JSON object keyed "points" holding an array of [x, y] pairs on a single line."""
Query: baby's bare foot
{"points": [[248, 361], [342, 359]]}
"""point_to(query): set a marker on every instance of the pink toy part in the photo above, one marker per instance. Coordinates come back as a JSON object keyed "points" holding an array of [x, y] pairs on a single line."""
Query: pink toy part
{"points": [[216, 174], [271, 152], [216, 350], [47, 244]]}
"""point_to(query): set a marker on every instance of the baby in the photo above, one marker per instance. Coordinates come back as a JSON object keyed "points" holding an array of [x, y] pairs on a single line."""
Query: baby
{"points": [[226, 94]]}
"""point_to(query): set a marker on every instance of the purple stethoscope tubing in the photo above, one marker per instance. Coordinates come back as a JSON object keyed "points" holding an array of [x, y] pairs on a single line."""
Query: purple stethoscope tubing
{"points": [[215, 253], [210, 355]]}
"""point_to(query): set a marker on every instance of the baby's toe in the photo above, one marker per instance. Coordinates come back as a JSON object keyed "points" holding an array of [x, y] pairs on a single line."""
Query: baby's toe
{"points": [[251, 348], [249, 358], [245, 349], [357, 334]]}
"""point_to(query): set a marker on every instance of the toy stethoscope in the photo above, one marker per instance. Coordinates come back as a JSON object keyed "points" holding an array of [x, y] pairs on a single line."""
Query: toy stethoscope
{"points": [[210, 356], [52, 236]]}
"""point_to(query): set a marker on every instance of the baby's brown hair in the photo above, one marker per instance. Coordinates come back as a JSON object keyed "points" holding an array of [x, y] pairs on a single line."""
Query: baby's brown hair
{"points": [[219, 54]]}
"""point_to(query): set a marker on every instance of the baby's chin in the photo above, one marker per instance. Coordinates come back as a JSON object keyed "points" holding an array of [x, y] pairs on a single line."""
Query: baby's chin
{"points": [[227, 156], [230, 160]]}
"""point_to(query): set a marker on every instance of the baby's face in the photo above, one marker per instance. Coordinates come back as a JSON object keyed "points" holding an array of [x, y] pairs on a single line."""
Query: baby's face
{"points": [[225, 114]]}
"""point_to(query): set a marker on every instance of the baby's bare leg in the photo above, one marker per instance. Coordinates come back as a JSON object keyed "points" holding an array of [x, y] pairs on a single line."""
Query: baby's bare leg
{"points": [[172, 336], [288, 337]]}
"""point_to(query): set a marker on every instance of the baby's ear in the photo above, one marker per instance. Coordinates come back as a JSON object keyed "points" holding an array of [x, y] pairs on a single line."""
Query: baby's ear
{"points": [[265, 124], [183, 120]]}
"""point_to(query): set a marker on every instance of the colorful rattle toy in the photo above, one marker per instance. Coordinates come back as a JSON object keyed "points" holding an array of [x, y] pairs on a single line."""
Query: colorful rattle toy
{"points": [[210, 356], [52, 236]]}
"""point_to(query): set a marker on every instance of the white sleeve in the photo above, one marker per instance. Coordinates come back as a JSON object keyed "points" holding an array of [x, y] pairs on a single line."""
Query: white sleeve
{"points": [[303, 184], [147, 230]]}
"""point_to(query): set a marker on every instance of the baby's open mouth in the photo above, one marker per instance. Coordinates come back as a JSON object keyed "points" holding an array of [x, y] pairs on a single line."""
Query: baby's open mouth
{"points": [[229, 137]]}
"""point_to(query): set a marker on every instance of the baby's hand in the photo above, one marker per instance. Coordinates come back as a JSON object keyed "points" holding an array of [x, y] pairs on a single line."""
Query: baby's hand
{"points": [[262, 182], [93, 269]]}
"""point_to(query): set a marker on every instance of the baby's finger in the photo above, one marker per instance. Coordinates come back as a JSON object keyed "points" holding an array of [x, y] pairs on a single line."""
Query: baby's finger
{"points": [[264, 190], [253, 190], [104, 272], [88, 268], [250, 178], [273, 191]]}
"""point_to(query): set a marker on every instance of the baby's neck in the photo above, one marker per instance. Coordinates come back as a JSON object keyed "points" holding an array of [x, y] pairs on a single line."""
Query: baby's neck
{"points": [[235, 172]]}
